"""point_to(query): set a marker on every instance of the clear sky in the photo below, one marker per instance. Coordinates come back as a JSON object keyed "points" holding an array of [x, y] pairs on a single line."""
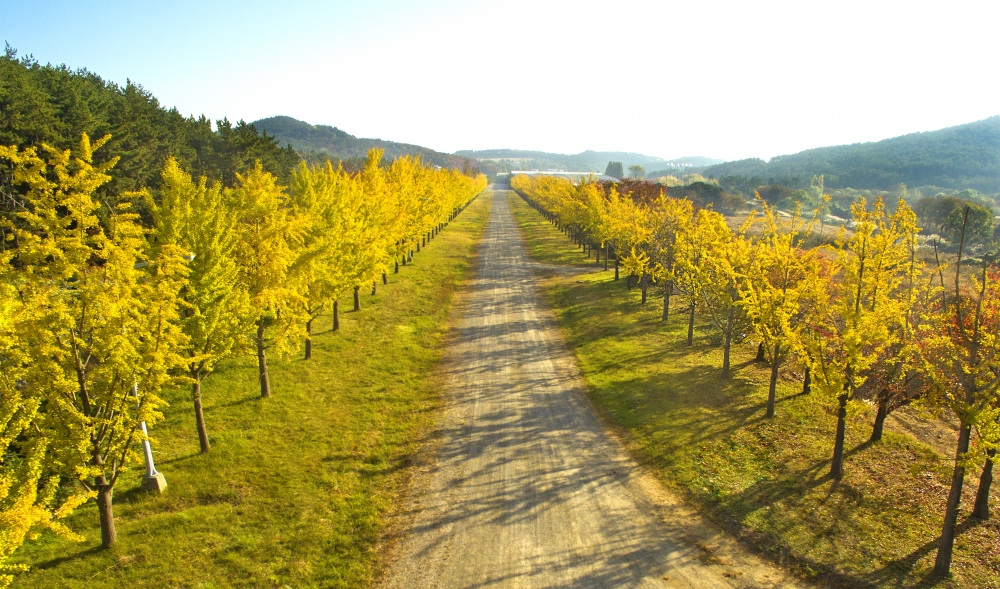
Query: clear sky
{"points": [[727, 79]]}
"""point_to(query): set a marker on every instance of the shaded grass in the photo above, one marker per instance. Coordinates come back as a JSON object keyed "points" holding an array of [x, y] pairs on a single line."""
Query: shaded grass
{"points": [[298, 488], [764, 479]]}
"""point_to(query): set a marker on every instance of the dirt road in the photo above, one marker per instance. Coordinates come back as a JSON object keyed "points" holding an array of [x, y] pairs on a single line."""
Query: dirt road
{"points": [[525, 488]]}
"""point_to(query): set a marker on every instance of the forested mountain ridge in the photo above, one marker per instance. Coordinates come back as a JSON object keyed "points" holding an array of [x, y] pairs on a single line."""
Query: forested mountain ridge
{"points": [[965, 156], [324, 141], [587, 161], [55, 105]]}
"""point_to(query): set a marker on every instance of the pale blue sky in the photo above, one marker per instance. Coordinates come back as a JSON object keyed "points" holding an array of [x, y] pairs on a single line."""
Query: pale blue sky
{"points": [[717, 78]]}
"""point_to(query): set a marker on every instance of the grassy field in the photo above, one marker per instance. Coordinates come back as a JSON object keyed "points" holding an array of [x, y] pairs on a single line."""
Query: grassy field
{"points": [[298, 488], [764, 479]]}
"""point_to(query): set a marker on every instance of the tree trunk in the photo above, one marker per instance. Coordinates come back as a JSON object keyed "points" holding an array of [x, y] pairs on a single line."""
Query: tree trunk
{"points": [[760, 353], [385, 279], [669, 286], [982, 507], [265, 382], [357, 298], [837, 467], [336, 315], [598, 251], [807, 381], [109, 536], [373, 288], [727, 344], [396, 271], [309, 342], [771, 391], [616, 265], [418, 249], [942, 564], [607, 252], [691, 324], [199, 416], [644, 285], [879, 427]]}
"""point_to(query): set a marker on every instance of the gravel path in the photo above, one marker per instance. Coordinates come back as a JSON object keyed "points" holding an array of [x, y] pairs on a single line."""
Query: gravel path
{"points": [[524, 488]]}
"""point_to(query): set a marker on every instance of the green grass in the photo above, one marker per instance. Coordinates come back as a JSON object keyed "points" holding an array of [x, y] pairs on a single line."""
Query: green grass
{"points": [[299, 488], [764, 479]]}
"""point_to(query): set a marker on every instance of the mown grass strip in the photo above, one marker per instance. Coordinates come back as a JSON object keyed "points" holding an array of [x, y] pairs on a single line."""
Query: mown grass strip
{"points": [[298, 488], [764, 479]]}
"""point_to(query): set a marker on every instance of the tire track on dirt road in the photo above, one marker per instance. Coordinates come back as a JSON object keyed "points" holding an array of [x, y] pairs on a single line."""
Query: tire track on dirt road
{"points": [[525, 488]]}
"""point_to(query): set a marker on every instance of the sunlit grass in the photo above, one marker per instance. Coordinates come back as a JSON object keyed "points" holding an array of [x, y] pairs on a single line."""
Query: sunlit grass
{"points": [[298, 488], [766, 480]]}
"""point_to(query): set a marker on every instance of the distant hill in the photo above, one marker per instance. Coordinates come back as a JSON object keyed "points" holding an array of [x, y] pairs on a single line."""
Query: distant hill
{"points": [[318, 141], [588, 161], [966, 156]]}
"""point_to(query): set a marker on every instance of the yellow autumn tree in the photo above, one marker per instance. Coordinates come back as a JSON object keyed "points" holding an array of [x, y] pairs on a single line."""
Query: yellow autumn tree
{"points": [[716, 274], [105, 340], [779, 280], [27, 504], [959, 342], [670, 219], [215, 311], [268, 233], [863, 312]]}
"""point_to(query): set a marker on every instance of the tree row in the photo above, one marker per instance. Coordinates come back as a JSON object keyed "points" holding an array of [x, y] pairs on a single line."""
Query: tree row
{"points": [[875, 317], [101, 307]]}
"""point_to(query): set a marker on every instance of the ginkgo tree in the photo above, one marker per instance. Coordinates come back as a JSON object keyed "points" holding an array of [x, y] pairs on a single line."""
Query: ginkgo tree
{"points": [[268, 233], [28, 482], [779, 279], [214, 315], [960, 342], [718, 276], [862, 311], [106, 339]]}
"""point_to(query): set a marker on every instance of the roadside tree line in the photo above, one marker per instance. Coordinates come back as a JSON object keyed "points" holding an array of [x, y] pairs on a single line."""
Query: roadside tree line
{"points": [[101, 307], [867, 317]]}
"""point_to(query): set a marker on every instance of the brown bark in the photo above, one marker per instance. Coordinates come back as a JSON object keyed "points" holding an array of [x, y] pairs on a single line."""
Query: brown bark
{"points": [[760, 353], [644, 285], [666, 300], [309, 342], [265, 381], [109, 536], [396, 271], [772, 390], [807, 382], [336, 315], [981, 509], [199, 416], [357, 298], [373, 287], [728, 343], [837, 466], [385, 279], [880, 414], [942, 564], [691, 324], [607, 252]]}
